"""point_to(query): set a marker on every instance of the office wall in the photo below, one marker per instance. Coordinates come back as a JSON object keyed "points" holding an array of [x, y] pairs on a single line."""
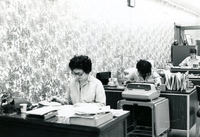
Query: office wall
{"points": [[38, 38]]}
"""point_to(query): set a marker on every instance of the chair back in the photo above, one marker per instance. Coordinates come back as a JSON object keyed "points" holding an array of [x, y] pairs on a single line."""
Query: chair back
{"points": [[103, 77], [198, 92]]}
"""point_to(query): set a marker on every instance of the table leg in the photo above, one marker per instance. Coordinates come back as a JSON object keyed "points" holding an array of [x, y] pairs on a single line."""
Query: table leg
{"points": [[188, 117]]}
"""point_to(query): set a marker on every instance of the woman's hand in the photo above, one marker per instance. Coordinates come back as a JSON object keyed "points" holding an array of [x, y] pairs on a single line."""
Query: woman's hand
{"points": [[158, 86]]}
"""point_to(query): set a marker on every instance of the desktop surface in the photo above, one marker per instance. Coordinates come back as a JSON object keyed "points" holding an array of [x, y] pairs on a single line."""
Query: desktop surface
{"points": [[14, 124]]}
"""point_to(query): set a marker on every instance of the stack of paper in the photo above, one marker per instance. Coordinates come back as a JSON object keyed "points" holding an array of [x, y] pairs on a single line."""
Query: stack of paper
{"points": [[175, 81], [88, 116], [91, 120], [42, 113], [47, 103], [91, 110]]}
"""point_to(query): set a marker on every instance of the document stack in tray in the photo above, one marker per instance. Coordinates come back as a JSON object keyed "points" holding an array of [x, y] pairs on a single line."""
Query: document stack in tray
{"points": [[43, 113], [176, 81], [93, 117]]}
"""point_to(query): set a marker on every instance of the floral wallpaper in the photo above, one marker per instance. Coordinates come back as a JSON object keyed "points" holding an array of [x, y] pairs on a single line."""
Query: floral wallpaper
{"points": [[37, 39]]}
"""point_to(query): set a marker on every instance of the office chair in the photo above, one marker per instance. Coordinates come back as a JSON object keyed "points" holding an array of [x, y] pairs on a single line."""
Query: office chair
{"points": [[103, 77]]}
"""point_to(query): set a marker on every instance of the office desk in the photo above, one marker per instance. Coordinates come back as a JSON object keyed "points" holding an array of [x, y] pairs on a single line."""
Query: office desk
{"points": [[15, 126], [195, 81], [113, 95], [178, 69], [183, 107]]}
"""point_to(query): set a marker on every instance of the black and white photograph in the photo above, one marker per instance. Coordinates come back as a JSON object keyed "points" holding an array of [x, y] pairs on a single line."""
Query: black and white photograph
{"points": [[99, 68]]}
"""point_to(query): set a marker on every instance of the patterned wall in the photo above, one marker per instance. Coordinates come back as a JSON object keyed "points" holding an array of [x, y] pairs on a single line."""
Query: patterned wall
{"points": [[38, 38]]}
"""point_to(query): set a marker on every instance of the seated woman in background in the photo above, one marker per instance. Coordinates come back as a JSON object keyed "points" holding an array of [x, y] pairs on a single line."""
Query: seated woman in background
{"points": [[83, 88], [192, 59], [143, 73]]}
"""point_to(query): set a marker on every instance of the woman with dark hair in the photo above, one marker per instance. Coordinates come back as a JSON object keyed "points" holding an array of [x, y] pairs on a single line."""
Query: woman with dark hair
{"points": [[143, 73], [83, 88], [192, 59], [144, 68]]}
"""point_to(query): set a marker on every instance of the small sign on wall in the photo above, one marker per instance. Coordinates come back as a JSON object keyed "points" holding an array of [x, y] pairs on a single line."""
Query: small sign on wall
{"points": [[131, 3]]}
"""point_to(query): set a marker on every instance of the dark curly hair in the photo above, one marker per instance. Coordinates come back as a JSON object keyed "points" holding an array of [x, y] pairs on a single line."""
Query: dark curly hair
{"points": [[193, 50], [81, 62], [143, 66]]}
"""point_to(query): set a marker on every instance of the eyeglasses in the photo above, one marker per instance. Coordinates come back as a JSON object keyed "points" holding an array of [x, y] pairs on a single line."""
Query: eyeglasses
{"points": [[77, 74]]}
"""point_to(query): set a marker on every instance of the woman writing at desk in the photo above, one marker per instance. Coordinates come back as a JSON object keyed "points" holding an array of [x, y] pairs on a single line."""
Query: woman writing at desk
{"points": [[192, 59], [83, 88], [143, 73]]}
